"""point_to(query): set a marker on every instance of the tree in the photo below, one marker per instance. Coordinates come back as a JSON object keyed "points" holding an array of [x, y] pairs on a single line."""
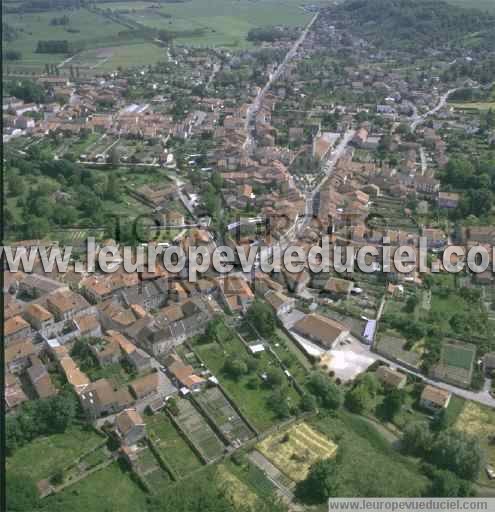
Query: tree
{"points": [[58, 477], [165, 36], [114, 157], [457, 452], [235, 368], [278, 403], [411, 303], [327, 393], [28, 91], [445, 484], [440, 421], [16, 184], [261, 316], [21, 493], [172, 405], [308, 403], [112, 190], [358, 399], [320, 484], [392, 404], [274, 377], [416, 439]]}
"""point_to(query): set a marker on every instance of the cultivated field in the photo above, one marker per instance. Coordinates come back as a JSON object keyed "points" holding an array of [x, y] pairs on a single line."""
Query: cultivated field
{"points": [[198, 430], [237, 491], [391, 345], [296, 449], [456, 363], [479, 105], [213, 23], [224, 415]]}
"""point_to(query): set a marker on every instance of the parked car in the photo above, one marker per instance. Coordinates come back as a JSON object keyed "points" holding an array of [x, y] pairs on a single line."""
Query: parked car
{"points": [[490, 472]]}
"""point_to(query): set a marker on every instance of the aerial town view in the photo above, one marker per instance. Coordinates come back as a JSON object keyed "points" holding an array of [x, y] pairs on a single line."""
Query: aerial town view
{"points": [[248, 254]]}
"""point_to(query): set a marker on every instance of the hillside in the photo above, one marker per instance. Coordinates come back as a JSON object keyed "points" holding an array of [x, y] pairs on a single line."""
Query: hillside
{"points": [[409, 23]]}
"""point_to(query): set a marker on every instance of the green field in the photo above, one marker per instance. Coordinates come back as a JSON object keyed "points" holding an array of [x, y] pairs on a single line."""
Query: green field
{"points": [[88, 30], [113, 57], [218, 22], [487, 5], [371, 466], [478, 105], [107, 44], [106, 490], [52, 453]]}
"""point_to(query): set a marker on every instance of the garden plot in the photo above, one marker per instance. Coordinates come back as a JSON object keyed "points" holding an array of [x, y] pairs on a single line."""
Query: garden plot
{"points": [[237, 491], [296, 450], [149, 468], [198, 430], [171, 445], [394, 347], [224, 415], [456, 363]]}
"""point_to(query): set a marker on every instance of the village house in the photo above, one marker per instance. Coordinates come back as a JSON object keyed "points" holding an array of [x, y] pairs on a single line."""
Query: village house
{"points": [[150, 294], [13, 393], [39, 317], [280, 303], [66, 304], [434, 399], [489, 364], [426, 186], [34, 286], [338, 288], [40, 379], [100, 398], [87, 325], [106, 350], [235, 293], [145, 386], [448, 200], [391, 378], [17, 355], [15, 328], [75, 377], [435, 238], [130, 427], [322, 330], [183, 375]]}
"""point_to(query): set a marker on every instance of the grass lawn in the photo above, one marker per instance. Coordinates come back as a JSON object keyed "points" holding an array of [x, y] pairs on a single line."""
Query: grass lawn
{"points": [[171, 445], [455, 408], [107, 490], [370, 465], [43, 456]]}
